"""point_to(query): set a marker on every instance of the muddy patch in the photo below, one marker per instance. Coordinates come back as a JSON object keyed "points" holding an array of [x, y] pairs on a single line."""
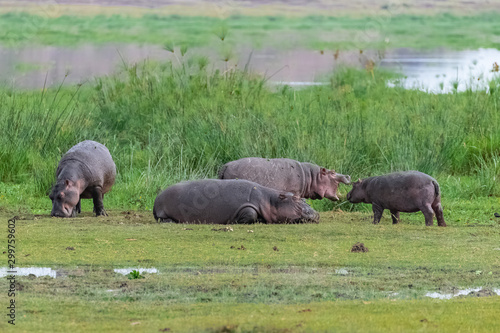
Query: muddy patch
{"points": [[481, 293], [359, 247]]}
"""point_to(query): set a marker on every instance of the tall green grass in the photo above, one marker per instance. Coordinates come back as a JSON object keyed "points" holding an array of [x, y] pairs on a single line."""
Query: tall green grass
{"points": [[165, 123]]}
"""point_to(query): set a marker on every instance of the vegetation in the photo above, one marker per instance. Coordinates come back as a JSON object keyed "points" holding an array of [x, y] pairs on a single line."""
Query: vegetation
{"points": [[166, 123], [295, 277], [385, 29]]}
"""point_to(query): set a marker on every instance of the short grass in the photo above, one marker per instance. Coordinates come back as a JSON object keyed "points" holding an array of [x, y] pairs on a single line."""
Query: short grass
{"points": [[379, 30], [288, 277]]}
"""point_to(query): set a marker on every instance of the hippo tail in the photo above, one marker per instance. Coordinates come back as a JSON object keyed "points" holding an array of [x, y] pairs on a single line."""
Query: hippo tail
{"points": [[436, 189], [222, 171]]}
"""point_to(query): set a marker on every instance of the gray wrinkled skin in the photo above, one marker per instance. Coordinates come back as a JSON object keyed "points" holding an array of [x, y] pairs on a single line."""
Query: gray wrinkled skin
{"points": [[408, 191], [214, 201], [85, 171], [303, 179]]}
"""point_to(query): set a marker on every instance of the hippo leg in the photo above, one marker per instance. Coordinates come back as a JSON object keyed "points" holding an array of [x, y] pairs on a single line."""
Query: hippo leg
{"points": [[79, 206], [395, 216], [429, 215], [438, 210], [98, 205], [247, 215], [377, 213]]}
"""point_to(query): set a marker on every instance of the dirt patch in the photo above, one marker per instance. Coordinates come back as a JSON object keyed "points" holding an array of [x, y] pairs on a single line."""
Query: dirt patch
{"points": [[129, 215], [359, 247], [225, 329]]}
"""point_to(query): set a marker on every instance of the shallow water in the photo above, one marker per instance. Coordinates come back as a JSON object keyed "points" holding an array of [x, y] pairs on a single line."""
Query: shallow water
{"points": [[126, 271], [25, 271], [443, 71], [434, 71], [48, 271], [460, 292]]}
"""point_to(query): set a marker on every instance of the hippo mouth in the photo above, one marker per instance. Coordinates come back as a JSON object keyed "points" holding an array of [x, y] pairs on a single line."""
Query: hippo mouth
{"points": [[309, 215], [333, 197]]}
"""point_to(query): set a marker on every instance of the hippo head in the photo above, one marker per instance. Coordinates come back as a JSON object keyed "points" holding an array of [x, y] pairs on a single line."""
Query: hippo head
{"points": [[328, 183], [65, 197], [357, 194], [294, 209]]}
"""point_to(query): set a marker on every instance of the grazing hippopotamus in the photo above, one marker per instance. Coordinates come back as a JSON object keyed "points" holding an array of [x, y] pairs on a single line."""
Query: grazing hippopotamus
{"points": [[303, 179], [214, 201], [408, 191], [85, 171]]}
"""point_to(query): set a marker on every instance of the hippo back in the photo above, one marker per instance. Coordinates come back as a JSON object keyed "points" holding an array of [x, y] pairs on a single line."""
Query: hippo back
{"points": [[282, 174], [99, 168], [207, 201]]}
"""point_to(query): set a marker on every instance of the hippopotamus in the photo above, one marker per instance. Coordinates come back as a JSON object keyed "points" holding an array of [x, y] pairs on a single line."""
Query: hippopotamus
{"points": [[306, 180], [408, 191], [214, 201], [85, 171]]}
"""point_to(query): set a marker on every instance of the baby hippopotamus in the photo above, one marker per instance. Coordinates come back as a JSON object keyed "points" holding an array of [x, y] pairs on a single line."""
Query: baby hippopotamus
{"points": [[408, 191], [214, 201], [85, 171], [306, 180]]}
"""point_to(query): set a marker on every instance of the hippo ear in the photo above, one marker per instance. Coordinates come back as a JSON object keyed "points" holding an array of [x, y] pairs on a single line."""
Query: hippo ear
{"points": [[282, 196], [323, 171]]}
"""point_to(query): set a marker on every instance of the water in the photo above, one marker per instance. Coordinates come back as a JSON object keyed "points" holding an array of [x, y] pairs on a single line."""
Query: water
{"points": [[47, 271], [25, 271], [436, 71], [459, 292], [443, 71], [126, 271]]}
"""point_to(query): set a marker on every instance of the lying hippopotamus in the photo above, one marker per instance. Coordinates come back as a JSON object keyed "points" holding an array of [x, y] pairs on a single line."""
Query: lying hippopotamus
{"points": [[303, 179], [214, 201], [408, 191], [85, 171]]}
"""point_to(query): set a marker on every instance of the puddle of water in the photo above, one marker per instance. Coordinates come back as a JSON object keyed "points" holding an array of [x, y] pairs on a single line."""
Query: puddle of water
{"points": [[47, 271], [25, 271], [443, 71], [341, 271], [459, 292], [125, 271]]}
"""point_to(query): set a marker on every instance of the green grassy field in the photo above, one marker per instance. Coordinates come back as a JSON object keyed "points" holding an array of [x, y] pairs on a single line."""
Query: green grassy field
{"points": [[164, 123], [381, 30], [291, 278]]}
